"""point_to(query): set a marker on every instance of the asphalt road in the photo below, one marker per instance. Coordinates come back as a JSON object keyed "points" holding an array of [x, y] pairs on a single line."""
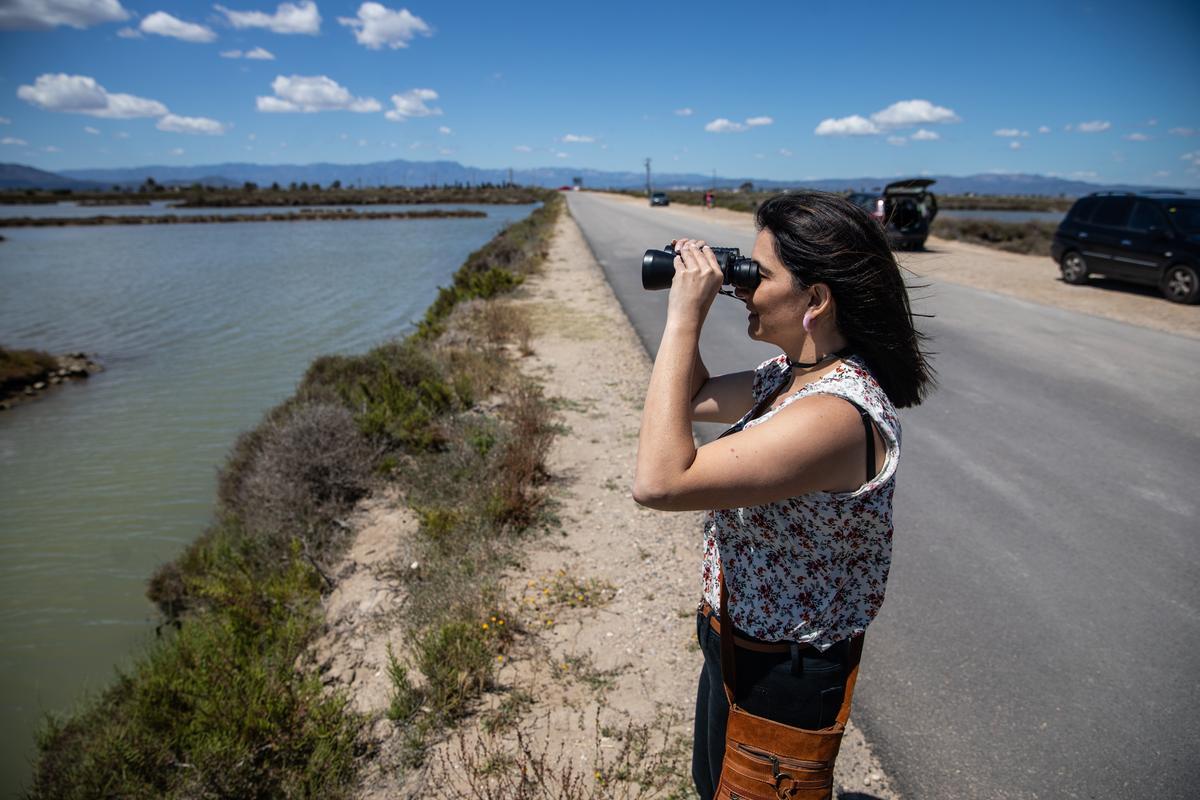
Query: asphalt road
{"points": [[1041, 634]]}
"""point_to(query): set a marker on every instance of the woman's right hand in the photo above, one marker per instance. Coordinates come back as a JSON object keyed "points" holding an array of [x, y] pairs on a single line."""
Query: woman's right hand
{"points": [[697, 281]]}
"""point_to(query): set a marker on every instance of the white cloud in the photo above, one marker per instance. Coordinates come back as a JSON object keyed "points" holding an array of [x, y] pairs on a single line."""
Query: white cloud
{"points": [[1162, 173], [1193, 157], [444, 131], [1095, 126], [1136, 137], [312, 93], [1084, 175], [722, 125], [1044, 129], [163, 24], [1007, 132], [923, 135], [445, 151], [129, 33], [257, 54], [301, 17], [1152, 122], [176, 124], [898, 141], [783, 151], [44, 14], [854, 125], [79, 94], [1183, 131], [683, 112], [175, 151], [13, 140], [120, 135], [523, 148], [1014, 145], [5, 121], [51, 149], [362, 142], [561, 155], [91, 130], [756, 122], [378, 26], [577, 139], [912, 112], [412, 104]]}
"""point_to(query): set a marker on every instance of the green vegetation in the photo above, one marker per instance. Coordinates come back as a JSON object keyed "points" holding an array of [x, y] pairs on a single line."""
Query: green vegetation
{"points": [[250, 194], [988, 202], [226, 702], [1031, 238], [306, 215], [749, 200], [21, 367]]}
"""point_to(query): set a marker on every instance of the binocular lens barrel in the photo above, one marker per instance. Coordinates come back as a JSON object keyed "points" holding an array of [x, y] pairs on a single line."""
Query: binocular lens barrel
{"points": [[658, 268]]}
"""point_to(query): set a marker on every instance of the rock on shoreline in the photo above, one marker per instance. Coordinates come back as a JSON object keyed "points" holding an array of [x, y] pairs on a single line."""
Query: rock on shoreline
{"points": [[69, 367]]}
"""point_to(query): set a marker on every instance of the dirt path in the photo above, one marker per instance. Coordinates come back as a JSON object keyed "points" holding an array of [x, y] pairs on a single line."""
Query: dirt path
{"points": [[1032, 278], [596, 697]]}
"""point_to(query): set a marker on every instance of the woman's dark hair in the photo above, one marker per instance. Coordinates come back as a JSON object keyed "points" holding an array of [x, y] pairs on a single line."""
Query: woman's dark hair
{"points": [[824, 238]]}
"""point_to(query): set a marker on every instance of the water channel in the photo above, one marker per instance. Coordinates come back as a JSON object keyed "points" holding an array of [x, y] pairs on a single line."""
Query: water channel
{"points": [[201, 329]]}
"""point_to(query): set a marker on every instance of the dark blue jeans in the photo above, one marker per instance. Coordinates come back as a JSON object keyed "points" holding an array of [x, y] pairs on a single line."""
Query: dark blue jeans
{"points": [[802, 688]]}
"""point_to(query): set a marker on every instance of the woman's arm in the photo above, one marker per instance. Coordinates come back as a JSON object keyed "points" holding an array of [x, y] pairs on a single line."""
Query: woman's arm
{"points": [[725, 398], [806, 447], [814, 444]]}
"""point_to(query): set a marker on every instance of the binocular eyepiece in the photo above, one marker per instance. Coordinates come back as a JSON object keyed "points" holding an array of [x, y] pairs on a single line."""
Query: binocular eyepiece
{"points": [[658, 268]]}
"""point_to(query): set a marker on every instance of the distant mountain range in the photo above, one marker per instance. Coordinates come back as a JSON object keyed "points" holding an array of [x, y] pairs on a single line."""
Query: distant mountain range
{"points": [[427, 173]]}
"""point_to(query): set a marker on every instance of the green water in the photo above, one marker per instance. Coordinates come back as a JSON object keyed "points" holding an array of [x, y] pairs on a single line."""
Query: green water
{"points": [[201, 329]]}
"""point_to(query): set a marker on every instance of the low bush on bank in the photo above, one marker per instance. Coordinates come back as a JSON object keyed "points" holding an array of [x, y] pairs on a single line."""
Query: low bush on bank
{"points": [[220, 705], [1031, 238], [20, 367]]}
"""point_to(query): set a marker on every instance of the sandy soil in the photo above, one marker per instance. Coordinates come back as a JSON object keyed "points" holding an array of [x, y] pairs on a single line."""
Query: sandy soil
{"points": [[601, 682], [1032, 278]]}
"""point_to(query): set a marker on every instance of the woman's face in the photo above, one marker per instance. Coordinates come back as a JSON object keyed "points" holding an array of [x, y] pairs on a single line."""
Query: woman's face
{"points": [[776, 309]]}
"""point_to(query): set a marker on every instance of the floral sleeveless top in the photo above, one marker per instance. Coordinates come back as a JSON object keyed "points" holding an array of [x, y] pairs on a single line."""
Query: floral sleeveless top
{"points": [[811, 568]]}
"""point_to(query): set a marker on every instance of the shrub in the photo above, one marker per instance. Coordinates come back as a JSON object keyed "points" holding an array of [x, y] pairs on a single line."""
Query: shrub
{"points": [[457, 662], [1031, 238], [215, 710], [19, 367], [307, 469]]}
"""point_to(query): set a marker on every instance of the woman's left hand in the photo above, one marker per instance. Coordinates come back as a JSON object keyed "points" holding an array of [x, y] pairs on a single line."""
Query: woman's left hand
{"points": [[697, 281]]}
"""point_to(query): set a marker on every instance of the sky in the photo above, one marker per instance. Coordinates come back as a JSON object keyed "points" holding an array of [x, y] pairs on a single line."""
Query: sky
{"points": [[1097, 91]]}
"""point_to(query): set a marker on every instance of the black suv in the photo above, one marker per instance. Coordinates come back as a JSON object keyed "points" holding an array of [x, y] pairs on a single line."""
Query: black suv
{"points": [[906, 209], [1144, 237], [660, 199]]}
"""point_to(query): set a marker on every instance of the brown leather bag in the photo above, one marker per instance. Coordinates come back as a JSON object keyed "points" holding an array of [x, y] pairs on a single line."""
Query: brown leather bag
{"points": [[766, 760]]}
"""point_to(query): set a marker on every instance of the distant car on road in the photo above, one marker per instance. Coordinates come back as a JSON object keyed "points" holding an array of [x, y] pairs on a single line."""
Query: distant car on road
{"points": [[1143, 237], [660, 199], [906, 209]]}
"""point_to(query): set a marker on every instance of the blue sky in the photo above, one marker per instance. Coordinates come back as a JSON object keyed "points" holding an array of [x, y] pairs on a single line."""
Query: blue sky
{"points": [[789, 90]]}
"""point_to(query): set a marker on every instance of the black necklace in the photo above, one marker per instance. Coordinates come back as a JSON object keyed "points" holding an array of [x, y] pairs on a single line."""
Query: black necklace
{"points": [[845, 351]]}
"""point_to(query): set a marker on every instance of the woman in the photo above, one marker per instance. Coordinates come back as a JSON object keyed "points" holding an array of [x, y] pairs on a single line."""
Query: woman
{"points": [[799, 522]]}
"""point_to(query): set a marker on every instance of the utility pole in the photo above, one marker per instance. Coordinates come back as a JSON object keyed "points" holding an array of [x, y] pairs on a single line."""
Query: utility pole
{"points": [[510, 183], [647, 177]]}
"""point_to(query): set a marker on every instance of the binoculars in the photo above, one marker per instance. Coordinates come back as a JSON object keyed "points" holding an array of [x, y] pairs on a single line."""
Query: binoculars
{"points": [[658, 268]]}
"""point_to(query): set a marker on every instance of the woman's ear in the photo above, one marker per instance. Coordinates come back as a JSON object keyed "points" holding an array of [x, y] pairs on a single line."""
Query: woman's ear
{"points": [[822, 298]]}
